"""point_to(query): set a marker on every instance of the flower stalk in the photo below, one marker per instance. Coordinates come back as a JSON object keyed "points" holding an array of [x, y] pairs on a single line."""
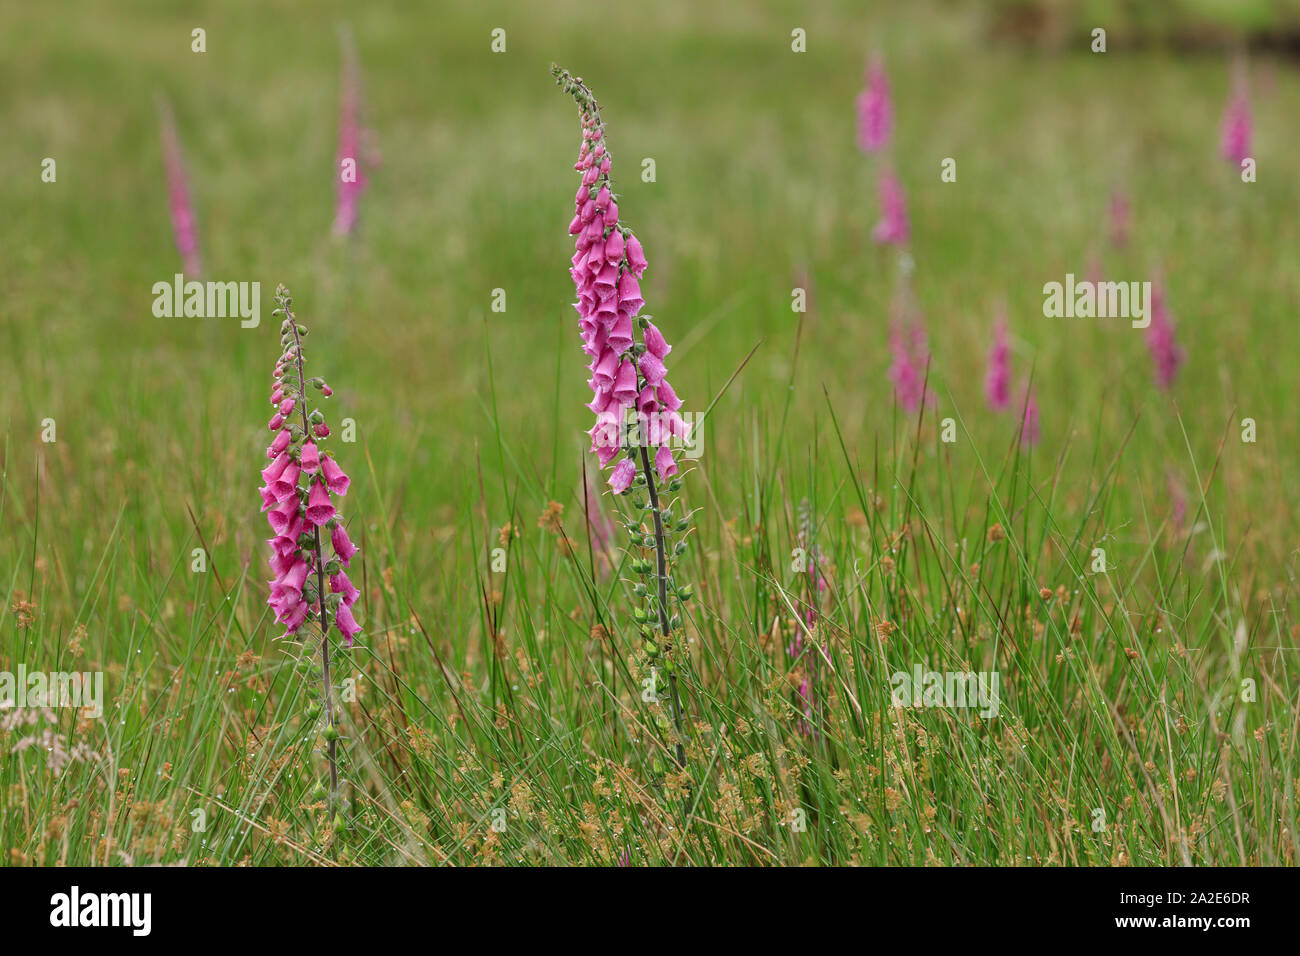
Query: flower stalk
{"points": [[635, 406], [297, 500]]}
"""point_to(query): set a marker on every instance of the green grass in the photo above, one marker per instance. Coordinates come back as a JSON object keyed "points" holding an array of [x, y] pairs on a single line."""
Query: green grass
{"points": [[479, 691]]}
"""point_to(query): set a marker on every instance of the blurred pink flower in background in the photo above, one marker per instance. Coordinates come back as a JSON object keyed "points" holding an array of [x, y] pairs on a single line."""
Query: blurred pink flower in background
{"points": [[350, 178], [1237, 128], [893, 226], [997, 381], [1167, 355], [911, 355], [875, 110], [185, 223]]}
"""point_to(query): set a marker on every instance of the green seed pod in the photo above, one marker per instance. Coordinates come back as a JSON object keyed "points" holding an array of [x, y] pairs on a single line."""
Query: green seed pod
{"points": [[667, 516], [331, 733], [685, 592], [683, 524], [651, 649]]}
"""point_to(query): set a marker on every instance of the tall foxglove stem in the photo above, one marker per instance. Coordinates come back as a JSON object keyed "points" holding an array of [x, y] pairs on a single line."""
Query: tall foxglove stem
{"points": [[297, 500], [327, 686], [629, 381], [661, 581]]}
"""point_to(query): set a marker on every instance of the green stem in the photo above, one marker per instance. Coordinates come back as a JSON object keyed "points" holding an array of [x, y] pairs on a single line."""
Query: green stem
{"points": [[327, 688], [661, 575]]}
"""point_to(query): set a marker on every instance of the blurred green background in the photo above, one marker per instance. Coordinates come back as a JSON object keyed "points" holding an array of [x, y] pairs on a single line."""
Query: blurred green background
{"points": [[758, 186]]}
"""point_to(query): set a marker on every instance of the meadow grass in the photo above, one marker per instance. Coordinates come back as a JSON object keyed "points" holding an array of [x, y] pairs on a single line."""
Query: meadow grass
{"points": [[498, 717]]}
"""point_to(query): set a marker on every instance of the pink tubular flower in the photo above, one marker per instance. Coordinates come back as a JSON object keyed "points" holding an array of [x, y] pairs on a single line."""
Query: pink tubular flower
{"points": [[310, 460], [621, 477], [296, 618], [875, 110], [291, 582], [350, 178], [286, 485], [278, 464], [893, 227], [319, 507], [628, 377], [344, 621], [278, 445], [282, 515], [185, 223], [340, 584], [1165, 351], [997, 382], [664, 463], [1237, 128], [334, 477], [635, 257], [344, 549], [296, 558], [655, 342]]}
